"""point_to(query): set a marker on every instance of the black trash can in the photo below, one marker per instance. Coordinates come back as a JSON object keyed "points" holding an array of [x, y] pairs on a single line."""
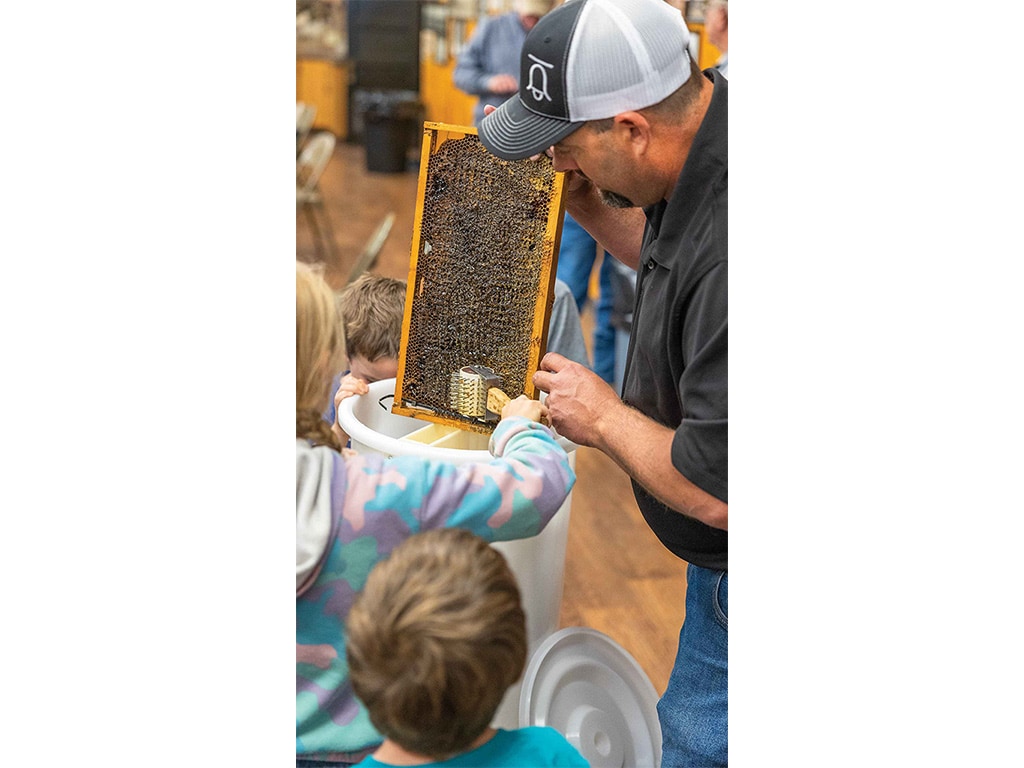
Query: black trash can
{"points": [[390, 121]]}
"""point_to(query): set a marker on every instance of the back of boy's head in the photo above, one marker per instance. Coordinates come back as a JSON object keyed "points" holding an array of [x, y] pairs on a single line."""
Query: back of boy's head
{"points": [[436, 637], [373, 308], [319, 350]]}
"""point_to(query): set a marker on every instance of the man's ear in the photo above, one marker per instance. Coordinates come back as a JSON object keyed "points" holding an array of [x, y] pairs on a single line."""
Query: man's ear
{"points": [[636, 130]]}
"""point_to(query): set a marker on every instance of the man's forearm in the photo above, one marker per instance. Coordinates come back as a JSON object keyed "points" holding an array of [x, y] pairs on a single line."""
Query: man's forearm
{"points": [[643, 448]]}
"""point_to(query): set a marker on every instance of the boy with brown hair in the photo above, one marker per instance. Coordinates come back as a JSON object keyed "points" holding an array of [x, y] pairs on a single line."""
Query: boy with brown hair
{"points": [[372, 309], [436, 637]]}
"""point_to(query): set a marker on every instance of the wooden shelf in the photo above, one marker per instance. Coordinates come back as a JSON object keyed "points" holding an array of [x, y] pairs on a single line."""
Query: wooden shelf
{"points": [[324, 84]]}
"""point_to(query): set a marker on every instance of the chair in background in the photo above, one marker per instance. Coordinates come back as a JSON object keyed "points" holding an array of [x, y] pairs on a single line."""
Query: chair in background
{"points": [[371, 250], [309, 167], [305, 114]]}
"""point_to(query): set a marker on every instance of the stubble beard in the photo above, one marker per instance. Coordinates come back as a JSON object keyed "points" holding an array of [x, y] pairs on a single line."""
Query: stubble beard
{"points": [[615, 200]]}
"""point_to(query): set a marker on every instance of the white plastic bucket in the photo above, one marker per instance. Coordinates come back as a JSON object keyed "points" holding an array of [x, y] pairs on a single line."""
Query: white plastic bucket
{"points": [[538, 563]]}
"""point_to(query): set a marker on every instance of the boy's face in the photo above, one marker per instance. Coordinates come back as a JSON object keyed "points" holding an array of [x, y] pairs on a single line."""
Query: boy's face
{"points": [[381, 368]]}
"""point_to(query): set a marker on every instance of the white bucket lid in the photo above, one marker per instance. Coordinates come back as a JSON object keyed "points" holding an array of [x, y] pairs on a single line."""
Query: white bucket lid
{"points": [[587, 687]]}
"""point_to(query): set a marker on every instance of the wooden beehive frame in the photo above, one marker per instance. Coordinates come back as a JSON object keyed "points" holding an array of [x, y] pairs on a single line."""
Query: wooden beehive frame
{"points": [[545, 182]]}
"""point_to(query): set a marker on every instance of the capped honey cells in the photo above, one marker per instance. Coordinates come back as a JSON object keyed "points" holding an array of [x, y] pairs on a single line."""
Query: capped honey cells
{"points": [[481, 277]]}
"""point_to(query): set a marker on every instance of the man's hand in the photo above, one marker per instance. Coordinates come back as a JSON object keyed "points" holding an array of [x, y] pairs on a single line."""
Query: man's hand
{"points": [[501, 84], [579, 401]]}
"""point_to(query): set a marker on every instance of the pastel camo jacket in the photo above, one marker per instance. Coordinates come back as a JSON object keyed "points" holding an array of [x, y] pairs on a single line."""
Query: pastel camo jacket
{"points": [[350, 514]]}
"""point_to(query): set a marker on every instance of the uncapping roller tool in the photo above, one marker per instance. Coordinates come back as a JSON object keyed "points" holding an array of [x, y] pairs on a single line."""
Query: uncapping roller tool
{"points": [[476, 392]]}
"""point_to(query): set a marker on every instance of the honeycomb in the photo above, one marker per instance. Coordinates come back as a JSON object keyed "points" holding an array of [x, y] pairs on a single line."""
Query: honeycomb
{"points": [[481, 275]]}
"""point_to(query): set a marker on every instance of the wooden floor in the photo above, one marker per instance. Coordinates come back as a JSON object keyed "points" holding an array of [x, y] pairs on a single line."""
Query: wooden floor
{"points": [[619, 579]]}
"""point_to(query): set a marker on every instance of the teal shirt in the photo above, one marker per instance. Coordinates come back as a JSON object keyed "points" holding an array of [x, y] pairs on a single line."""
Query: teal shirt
{"points": [[535, 746]]}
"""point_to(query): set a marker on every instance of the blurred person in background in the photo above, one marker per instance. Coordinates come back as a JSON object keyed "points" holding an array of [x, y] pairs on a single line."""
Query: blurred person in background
{"points": [[716, 27]]}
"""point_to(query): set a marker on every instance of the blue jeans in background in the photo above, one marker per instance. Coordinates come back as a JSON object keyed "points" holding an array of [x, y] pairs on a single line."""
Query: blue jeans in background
{"points": [[576, 256], [694, 711], [604, 331]]}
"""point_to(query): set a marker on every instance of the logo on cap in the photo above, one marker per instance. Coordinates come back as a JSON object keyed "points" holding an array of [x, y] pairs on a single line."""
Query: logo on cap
{"points": [[537, 69]]}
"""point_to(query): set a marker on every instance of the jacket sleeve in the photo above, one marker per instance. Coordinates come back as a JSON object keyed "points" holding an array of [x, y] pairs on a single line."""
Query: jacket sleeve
{"points": [[470, 74], [511, 497]]}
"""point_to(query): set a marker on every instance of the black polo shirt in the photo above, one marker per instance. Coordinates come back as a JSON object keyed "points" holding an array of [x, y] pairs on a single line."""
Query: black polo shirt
{"points": [[677, 366]]}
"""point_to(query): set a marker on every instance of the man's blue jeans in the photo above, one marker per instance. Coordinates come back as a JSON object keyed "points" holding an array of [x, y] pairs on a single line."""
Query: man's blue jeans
{"points": [[694, 711]]}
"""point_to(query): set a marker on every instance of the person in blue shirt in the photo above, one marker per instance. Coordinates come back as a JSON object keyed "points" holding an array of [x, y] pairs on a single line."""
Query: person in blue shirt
{"points": [[435, 638], [488, 66]]}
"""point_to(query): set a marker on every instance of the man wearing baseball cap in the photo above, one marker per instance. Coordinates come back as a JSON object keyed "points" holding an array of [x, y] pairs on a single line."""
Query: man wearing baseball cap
{"points": [[608, 90]]}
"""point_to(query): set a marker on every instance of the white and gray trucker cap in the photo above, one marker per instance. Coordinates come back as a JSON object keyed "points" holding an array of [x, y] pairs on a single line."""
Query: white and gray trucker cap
{"points": [[589, 60]]}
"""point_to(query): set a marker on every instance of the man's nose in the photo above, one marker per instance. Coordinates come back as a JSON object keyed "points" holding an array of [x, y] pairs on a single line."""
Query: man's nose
{"points": [[562, 161]]}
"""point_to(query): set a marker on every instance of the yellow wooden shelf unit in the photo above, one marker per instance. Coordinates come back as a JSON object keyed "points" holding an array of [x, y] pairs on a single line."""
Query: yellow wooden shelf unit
{"points": [[324, 84], [442, 101], [707, 54]]}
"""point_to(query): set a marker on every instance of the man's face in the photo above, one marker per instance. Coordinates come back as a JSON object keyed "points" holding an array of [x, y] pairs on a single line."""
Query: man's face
{"points": [[381, 368], [589, 153]]}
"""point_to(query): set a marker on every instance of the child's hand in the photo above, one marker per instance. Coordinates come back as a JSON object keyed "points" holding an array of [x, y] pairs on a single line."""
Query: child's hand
{"points": [[349, 387], [534, 410]]}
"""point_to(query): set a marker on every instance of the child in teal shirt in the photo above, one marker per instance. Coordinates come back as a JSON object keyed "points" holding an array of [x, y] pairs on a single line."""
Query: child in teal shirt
{"points": [[436, 637]]}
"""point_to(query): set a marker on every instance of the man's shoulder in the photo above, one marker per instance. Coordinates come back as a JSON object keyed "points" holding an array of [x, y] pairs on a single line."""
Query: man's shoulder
{"points": [[500, 21]]}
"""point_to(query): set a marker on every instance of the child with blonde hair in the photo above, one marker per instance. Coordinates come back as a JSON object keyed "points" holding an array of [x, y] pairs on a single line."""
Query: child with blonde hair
{"points": [[352, 511], [436, 637]]}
